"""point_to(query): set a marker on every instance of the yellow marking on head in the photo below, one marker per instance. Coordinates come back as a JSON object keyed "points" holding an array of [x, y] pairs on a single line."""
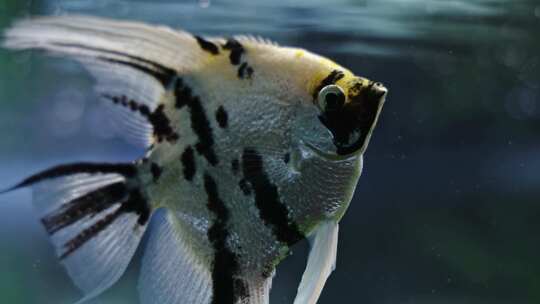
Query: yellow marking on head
{"points": [[330, 72], [299, 54]]}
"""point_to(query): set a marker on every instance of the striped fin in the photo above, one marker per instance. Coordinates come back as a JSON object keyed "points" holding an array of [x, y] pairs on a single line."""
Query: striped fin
{"points": [[94, 217], [321, 263], [133, 64]]}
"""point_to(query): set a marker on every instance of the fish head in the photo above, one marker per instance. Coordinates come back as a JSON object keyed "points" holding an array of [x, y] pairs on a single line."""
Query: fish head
{"points": [[342, 115]]}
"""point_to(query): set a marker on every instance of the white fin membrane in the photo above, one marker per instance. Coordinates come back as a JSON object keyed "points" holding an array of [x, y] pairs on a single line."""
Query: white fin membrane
{"points": [[321, 263], [91, 221], [171, 273], [133, 63], [123, 91], [138, 43]]}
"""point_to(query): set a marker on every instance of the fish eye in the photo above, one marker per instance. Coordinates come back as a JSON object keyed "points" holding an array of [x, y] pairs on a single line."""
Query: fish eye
{"points": [[331, 97]]}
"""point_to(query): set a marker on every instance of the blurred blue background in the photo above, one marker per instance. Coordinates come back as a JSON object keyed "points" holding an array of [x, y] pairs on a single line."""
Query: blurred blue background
{"points": [[447, 210]]}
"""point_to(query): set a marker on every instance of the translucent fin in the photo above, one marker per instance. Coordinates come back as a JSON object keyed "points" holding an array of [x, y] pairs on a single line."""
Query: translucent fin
{"points": [[133, 63], [158, 49], [171, 273], [256, 39], [95, 220], [321, 263], [123, 91]]}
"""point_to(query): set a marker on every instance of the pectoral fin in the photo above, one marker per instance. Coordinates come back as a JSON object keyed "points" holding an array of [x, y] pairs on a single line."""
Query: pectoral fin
{"points": [[321, 262]]}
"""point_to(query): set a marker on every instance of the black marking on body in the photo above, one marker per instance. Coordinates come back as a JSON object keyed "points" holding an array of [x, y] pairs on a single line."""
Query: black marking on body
{"points": [[206, 45], [156, 171], [222, 117], [236, 48], [287, 158], [245, 71], [235, 166], [227, 288], [126, 170], [332, 78], [188, 163], [273, 212], [245, 186], [183, 94], [199, 121], [159, 121], [160, 72], [236, 53], [138, 204]]}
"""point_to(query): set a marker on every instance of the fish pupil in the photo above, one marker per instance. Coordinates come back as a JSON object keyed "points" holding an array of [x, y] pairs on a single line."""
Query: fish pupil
{"points": [[334, 101]]}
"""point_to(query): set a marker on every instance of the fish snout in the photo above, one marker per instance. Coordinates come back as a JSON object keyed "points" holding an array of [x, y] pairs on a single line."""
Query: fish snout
{"points": [[378, 90]]}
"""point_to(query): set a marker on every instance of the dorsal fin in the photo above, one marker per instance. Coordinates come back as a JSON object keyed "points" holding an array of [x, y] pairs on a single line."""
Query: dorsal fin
{"points": [[256, 39], [134, 64]]}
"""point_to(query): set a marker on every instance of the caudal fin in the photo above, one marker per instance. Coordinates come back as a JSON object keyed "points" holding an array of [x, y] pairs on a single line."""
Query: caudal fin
{"points": [[95, 214]]}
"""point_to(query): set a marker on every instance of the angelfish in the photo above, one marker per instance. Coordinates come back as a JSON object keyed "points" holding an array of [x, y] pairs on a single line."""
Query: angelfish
{"points": [[251, 147]]}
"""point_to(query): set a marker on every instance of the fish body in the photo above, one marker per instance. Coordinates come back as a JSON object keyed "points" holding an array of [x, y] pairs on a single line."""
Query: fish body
{"points": [[251, 147]]}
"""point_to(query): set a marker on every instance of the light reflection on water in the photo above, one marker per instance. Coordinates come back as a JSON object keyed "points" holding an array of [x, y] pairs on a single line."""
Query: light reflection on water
{"points": [[450, 181]]}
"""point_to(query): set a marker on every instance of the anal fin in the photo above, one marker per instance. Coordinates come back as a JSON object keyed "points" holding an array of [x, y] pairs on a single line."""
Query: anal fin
{"points": [[171, 273]]}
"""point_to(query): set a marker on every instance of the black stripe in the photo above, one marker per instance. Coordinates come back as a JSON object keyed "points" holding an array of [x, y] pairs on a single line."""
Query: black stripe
{"points": [[164, 79], [127, 170], [87, 234], [89, 204], [135, 203], [156, 171], [207, 45], [245, 186], [236, 48], [227, 289], [235, 166], [222, 117], [161, 125], [287, 157], [183, 94], [199, 121], [162, 73], [273, 212], [188, 163], [332, 78], [245, 71]]}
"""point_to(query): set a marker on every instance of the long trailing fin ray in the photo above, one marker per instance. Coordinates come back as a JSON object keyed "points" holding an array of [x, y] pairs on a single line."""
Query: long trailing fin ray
{"points": [[321, 263], [157, 48], [95, 215]]}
